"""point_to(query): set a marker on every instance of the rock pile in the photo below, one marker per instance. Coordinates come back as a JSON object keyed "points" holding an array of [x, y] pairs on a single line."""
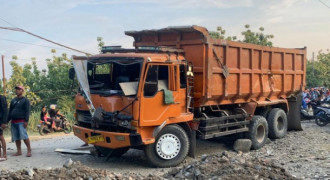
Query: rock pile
{"points": [[228, 165], [71, 170]]}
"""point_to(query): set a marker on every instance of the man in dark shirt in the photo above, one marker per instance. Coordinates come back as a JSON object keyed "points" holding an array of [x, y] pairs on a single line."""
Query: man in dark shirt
{"points": [[3, 121], [19, 112]]}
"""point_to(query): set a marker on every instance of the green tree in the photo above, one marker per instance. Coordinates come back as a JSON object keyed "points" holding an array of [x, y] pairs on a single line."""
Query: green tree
{"points": [[248, 36], [257, 37], [19, 77], [320, 76], [220, 34], [100, 43]]}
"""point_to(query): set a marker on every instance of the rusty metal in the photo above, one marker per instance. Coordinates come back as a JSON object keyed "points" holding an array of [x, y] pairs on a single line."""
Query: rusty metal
{"points": [[255, 73], [225, 70]]}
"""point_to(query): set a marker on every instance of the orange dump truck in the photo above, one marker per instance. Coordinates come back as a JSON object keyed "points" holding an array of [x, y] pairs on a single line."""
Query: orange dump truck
{"points": [[179, 84]]}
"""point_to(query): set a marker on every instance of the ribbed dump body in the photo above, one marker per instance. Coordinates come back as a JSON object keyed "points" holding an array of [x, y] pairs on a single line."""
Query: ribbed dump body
{"points": [[227, 72]]}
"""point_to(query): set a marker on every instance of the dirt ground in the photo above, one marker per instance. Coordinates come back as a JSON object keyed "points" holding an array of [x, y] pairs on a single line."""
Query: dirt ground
{"points": [[303, 154]]}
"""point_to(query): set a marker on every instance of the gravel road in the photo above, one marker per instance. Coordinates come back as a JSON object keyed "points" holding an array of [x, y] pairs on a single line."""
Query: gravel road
{"points": [[304, 154]]}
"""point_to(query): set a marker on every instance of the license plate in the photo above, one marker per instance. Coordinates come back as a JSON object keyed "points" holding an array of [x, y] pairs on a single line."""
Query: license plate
{"points": [[94, 139]]}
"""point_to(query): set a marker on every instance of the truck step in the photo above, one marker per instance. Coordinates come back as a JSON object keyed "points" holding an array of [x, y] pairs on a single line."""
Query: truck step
{"points": [[221, 126], [218, 134], [216, 120]]}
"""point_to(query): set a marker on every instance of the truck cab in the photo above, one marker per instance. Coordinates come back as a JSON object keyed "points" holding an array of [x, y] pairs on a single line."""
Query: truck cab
{"points": [[136, 93]]}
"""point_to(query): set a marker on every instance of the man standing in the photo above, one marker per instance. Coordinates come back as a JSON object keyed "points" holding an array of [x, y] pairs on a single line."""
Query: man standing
{"points": [[3, 120], [19, 112]]}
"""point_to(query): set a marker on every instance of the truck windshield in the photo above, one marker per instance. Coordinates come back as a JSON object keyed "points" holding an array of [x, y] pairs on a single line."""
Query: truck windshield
{"points": [[109, 76]]}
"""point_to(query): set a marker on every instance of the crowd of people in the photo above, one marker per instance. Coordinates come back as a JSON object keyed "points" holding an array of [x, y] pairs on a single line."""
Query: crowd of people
{"points": [[317, 95]]}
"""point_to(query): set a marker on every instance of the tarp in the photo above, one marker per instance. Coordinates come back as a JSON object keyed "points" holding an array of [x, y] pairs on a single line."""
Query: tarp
{"points": [[168, 97], [80, 67]]}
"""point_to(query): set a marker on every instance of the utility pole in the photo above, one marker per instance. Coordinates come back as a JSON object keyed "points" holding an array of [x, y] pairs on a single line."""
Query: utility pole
{"points": [[313, 64], [3, 75]]}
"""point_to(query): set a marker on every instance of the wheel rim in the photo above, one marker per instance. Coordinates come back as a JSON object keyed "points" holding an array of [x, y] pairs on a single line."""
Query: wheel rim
{"points": [[168, 146], [280, 123], [260, 133]]}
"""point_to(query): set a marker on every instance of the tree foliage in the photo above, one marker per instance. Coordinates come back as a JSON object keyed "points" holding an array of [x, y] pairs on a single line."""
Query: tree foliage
{"points": [[221, 34], [45, 87], [249, 36], [320, 76], [100, 43]]}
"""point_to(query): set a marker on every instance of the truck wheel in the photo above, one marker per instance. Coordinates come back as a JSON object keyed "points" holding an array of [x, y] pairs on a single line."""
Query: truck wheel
{"points": [[258, 132], [114, 152], [170, 148], [277, 123]]}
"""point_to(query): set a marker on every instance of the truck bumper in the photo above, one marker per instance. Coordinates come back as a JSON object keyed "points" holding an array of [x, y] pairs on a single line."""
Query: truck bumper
{"points": [[112, 140]]}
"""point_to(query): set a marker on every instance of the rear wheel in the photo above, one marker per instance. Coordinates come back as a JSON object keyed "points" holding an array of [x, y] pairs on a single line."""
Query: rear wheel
{"points": [[258, 132], [43, 129], [114, 152], [277, 123], [319, 120], [67, 128], [170, 148]]}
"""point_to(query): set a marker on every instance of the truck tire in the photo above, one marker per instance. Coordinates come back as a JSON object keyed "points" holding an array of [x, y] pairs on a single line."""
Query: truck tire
{"points": [[277, 123], [258, 132], [170, 148], [114, 152]]}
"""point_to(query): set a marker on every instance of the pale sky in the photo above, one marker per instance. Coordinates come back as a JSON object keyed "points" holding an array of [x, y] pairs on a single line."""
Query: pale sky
{"points": [[77, 23]]}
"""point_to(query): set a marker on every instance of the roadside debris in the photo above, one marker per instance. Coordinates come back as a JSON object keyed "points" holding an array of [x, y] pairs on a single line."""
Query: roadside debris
{"points": [[225, 165], [70, 151], [243, 145]]}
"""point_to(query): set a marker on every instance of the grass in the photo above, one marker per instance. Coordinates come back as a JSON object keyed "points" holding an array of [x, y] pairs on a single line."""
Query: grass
{"points": [[34, 121]]}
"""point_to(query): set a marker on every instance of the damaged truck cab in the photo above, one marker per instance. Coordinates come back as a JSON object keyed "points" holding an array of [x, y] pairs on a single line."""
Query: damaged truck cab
{"points": [[179, 84]]}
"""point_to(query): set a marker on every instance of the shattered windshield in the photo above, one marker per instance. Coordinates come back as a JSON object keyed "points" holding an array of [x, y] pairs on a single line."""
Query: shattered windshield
{"points": [[109, 76]]}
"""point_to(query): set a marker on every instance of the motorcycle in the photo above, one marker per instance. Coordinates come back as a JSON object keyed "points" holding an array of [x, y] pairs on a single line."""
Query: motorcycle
{"points": [[46, 128], [322, 116], [304, 112]]}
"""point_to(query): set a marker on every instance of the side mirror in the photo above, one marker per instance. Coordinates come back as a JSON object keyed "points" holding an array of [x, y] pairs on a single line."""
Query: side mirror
{"points": [[72, 73]]}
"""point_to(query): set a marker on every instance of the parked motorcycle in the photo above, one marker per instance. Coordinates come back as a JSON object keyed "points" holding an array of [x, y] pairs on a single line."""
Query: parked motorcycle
{"points": [[322, 117], [45, 128], [304, 112]]}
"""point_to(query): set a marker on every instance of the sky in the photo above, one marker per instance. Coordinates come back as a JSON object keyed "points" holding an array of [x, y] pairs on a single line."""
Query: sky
{"points": [[77, 23]]}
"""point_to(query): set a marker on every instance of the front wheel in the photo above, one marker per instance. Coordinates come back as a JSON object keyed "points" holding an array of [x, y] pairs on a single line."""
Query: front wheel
{"points": [[67, 128], [170, 148]]}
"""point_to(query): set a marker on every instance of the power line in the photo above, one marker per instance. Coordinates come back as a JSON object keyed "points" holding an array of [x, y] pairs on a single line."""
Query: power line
{"points": [[324, 4], [31, 44], [8, 22], [30, 33]]}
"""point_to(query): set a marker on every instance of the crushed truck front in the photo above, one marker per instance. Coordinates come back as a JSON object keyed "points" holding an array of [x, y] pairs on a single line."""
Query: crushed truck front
{"points": [[118, 85]]}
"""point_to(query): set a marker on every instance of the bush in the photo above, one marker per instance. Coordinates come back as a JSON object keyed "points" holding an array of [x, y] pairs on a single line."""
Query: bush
{"points": [[35, 120]]}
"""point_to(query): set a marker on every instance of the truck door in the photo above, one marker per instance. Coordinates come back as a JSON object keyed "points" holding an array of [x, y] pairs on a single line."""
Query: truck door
{"points": [[159, 79]]}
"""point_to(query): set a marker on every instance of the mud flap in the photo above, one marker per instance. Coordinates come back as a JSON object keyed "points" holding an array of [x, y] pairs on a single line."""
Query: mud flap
{"points": [[294, 117], [192, 149]]}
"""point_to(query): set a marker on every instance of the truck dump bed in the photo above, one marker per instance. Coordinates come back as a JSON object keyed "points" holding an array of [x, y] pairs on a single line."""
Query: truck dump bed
{"points": [[227, 72]]}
